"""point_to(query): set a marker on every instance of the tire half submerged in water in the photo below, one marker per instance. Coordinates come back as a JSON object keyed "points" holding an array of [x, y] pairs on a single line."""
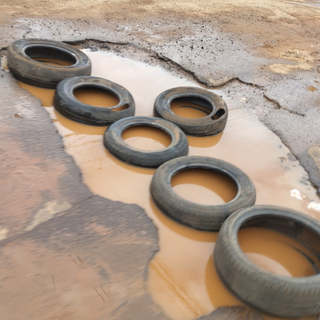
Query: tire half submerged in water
{"points": [[117, 146], [22, 53], [69, 106], [194, 215], [213, 123], [269, 293]]}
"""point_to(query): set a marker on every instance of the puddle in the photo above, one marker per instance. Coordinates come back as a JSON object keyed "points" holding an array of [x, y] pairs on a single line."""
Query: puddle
{"points": [[182, 278], [312, 88], [45, 95], [146, 138]]}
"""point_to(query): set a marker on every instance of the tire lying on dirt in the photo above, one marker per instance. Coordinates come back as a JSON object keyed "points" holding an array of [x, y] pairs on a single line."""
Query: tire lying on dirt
{"points": [[117, 146], [212, 124], [270, 293], [69, 106], [197, 216], [21, 56]]}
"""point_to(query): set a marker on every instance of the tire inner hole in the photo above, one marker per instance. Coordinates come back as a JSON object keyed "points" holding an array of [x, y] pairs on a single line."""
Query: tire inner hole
{"points": [[276, 252], [190, 108], [193, 108], [202, 186], [146, 138], [98, 97], [50, 56]]}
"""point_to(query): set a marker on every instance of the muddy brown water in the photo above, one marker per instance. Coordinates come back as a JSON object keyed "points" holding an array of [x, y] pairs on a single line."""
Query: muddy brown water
{"points": [[54, 61], [146, 138], [182, 278], [96, 97], [187, 109], [276, 253], [312, 88], [204, 186]]}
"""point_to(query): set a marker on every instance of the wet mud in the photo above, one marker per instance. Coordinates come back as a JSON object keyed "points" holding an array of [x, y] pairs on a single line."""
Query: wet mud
{"points": [[182, 277], [83, 265]]}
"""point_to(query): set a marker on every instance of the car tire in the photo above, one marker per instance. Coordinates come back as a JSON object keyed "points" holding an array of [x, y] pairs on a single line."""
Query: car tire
{"points": [[212, 124], [194, 215], [118, 147], [267, 292], [69, 106], [20, 61]]}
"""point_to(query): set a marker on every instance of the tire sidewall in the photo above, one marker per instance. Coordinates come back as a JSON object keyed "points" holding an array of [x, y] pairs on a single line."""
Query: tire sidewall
{"points": [[202, 217], [270, 293], [198, 127], [40, 74], [68, 105], [117, 146]]}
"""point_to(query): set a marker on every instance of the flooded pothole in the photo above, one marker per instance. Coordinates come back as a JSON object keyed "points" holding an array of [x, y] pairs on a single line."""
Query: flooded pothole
{"points": [[182, 277]]}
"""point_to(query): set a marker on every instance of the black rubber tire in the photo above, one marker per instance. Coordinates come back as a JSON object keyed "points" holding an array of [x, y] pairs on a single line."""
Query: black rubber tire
{"points": [[197, 216], [205, 126], [39, 74], [116, 145], [68, 105], [267, 292]]}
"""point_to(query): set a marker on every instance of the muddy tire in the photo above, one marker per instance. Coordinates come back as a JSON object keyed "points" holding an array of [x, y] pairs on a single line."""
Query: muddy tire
{"points": [[20, 60], [69, 106], [197, 216], [269, 293], [212, 124], [118, 147]]}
